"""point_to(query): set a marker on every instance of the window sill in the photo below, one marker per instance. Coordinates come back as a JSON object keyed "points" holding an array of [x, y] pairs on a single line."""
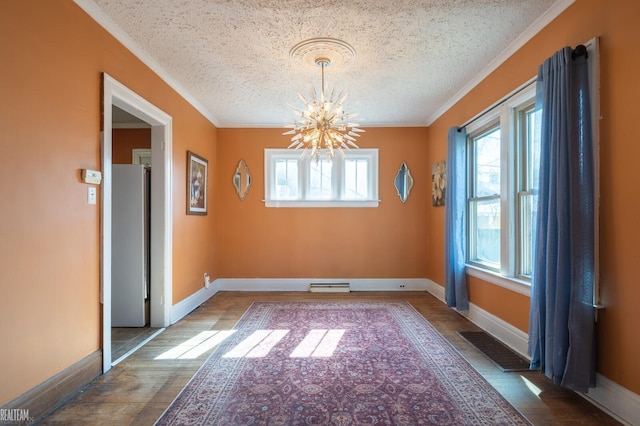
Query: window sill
{"points": [[320, 203], [513, 284]]}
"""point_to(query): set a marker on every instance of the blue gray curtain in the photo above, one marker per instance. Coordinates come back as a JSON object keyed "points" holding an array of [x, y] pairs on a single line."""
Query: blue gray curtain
{"points": [[454, 222], [562, 316]]}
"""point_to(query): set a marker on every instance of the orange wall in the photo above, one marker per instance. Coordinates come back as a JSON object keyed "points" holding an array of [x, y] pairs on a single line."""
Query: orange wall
{"points": [[125, 140], [385, 242], [49, 236], [53, 55], [194, 237], [615, 22]]}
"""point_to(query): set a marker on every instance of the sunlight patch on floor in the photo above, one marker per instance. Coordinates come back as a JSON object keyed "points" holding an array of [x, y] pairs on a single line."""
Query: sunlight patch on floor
{"points": [[196, 346], [318, 343], [533, 388], [257, 345]]}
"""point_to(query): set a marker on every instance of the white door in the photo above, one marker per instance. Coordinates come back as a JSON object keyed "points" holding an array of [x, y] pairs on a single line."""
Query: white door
{"points": [[128, 246]]}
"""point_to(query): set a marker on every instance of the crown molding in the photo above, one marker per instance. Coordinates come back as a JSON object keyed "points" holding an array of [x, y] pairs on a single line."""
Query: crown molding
{"points": [[119, 34], [533, 29]]}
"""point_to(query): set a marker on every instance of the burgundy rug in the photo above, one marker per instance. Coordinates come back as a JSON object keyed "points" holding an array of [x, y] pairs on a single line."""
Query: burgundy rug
{"points": [[337, 363]]}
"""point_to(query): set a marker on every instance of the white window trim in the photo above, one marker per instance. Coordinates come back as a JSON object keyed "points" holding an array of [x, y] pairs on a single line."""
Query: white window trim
{"points": [[370, 154], [510, 283], [505, 111], [320, 203]]}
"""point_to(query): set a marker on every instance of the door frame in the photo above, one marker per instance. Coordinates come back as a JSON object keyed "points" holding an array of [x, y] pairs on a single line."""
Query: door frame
{"points": [[115, 93]]}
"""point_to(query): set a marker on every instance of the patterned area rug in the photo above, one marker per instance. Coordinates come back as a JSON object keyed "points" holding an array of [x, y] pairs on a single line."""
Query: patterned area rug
{"points": [[337, 363]]}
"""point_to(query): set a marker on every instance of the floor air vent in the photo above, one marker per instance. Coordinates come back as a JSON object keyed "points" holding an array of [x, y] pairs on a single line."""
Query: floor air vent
{"points": [[329, 288], [502, 356]]}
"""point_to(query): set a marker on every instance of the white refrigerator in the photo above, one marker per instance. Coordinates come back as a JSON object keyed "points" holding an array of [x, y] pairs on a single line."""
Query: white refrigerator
{"points": [[130, 245]]}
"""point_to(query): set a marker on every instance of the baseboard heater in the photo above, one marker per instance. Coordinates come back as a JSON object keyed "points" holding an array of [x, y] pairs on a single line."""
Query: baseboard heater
{"points": [[329, 288]]}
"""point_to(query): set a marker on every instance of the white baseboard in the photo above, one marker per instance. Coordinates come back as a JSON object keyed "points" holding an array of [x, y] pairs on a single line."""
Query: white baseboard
{"points": [[609, 396], [302, 284], [436, 290], [511, 336], [612, 398], [182, 308], [185, 306]]}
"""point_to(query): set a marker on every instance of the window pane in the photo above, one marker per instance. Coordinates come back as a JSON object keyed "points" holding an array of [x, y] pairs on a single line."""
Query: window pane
{"points": [[528, 162], [526, 243], [486, 231], [320, 180], [524, 213], [286, 179], [356, 182], [487, 164]]}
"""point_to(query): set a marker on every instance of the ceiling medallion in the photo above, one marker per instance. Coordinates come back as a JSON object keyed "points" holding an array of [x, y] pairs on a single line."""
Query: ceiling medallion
{"points": [[337, 51], [323, 126]]}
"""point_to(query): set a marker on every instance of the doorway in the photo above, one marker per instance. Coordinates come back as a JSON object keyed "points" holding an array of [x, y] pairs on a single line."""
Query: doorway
{"points": [[160, 252], [130, 236]]}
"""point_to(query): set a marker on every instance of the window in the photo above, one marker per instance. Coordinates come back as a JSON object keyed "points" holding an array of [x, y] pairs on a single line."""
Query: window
{"points": [[500, 161], [507, 260], [484, 198], [527, 142], [292, 181]]}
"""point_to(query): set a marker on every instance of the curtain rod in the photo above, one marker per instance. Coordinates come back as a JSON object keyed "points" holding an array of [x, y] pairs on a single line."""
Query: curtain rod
{"points": [[497, 104], [580, 50]]}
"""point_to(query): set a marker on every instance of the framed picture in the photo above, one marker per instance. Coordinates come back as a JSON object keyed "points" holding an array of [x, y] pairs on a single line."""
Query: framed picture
{"points": [[438, 183], [197, 178]]}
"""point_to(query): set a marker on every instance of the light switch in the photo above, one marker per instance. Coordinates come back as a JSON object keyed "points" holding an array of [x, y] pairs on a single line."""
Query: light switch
{"points": [[91, 195]]}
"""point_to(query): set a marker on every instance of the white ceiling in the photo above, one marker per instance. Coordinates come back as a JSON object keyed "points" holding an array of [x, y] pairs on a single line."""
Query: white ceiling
{"points": [[413, 58]]}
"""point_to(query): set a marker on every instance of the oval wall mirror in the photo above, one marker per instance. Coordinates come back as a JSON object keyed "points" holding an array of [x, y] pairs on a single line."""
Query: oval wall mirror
{"points": [[242, 179], [403, 182]]}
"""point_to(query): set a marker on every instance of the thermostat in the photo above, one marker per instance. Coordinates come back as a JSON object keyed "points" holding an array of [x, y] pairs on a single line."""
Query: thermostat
{"points": [[91, 176]]}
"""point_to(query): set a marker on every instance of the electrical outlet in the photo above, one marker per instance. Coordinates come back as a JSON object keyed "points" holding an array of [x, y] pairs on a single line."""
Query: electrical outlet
{"points": [[401, 285]]}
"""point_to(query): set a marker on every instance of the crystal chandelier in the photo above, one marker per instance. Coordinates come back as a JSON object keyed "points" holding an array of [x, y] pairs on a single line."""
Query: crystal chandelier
{"points": [[323, 126]]}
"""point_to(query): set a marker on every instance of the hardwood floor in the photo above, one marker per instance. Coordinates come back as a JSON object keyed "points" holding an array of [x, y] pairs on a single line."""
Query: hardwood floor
{"points": [[140, 388], [124, 339]]}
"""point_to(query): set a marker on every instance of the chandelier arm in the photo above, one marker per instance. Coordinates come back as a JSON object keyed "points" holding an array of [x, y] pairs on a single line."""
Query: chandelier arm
{"points": [[322, 126], [323, 65]]}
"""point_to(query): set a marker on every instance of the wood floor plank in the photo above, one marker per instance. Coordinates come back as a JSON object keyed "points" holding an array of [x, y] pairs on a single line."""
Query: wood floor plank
{"points": [[139, 389]]}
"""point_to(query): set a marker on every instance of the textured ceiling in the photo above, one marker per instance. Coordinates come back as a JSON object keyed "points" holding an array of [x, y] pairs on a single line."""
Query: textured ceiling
{"points": [[233, 57]]}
